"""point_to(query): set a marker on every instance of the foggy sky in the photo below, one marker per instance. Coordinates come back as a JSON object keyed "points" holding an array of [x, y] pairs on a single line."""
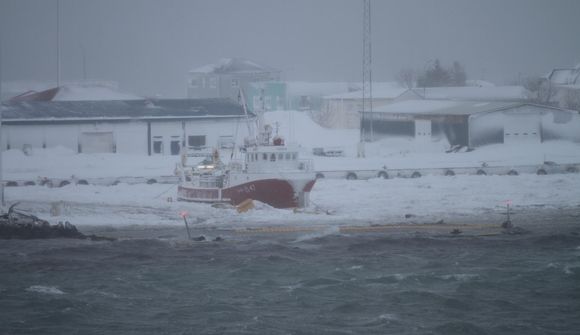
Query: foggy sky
{"points": [[148, 46]]}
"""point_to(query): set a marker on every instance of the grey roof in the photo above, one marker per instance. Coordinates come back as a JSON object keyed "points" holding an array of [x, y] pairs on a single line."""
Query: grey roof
{"points": [[121, 109], [447, 107]]}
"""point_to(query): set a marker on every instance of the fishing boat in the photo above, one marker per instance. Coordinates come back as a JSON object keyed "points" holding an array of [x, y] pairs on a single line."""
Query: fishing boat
{"points": [[269, 171]]}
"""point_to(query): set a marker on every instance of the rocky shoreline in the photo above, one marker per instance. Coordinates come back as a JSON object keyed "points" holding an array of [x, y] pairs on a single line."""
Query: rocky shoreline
{"points": [[18, 225]]}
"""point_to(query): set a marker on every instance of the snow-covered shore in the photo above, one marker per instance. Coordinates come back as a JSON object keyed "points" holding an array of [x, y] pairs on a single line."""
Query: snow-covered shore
{"points": [[340, 202], [336, 202]]}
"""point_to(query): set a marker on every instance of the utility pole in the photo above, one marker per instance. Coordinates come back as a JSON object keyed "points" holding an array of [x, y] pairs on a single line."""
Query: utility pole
{"points": [[84, 62], [2, 200], [367, 80], [57, 43]]}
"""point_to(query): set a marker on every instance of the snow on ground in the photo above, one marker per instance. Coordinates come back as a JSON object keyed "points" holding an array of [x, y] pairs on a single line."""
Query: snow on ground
{"points": [[338, 202]]}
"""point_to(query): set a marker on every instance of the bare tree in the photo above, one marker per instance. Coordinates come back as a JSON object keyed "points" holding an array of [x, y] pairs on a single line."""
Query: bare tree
{"points": [[540, 90], [406, 78]]}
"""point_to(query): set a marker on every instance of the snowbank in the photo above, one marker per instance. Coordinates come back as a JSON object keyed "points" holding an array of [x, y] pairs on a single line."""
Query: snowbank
{"points": [[340, 202]]}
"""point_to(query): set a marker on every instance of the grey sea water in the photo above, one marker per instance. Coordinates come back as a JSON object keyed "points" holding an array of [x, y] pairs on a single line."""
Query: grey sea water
{"points": [[279, 284]]}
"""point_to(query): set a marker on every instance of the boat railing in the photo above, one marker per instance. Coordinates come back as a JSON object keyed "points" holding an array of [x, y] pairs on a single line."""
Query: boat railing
{"points": [[199, 151], [209, 181]]}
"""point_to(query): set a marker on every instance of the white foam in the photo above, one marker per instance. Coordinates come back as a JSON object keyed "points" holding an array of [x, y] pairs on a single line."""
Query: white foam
{"points": [[459, 276], [44, 289], [333, 230]]}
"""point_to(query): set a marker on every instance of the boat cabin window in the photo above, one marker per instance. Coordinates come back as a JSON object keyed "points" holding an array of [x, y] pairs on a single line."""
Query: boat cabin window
{"points": [[273, 157], [288, 156], [280, 157], [265, 156], [293, 156]]}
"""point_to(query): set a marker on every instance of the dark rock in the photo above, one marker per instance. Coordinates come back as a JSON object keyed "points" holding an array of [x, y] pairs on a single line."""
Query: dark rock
{"points": [[16, 225]]}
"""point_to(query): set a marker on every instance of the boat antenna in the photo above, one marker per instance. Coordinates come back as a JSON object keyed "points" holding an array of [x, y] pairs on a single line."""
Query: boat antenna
{"points": [[242, 100]]}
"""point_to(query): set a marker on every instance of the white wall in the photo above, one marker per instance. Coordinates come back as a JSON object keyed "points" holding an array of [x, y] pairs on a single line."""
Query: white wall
{"points": [[129, 137], [553, 124]]}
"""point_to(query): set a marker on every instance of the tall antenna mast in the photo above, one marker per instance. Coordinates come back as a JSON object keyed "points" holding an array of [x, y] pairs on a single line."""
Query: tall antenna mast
{"points": [[367, 81], [367, 71], [58, 43], [2, 199]]}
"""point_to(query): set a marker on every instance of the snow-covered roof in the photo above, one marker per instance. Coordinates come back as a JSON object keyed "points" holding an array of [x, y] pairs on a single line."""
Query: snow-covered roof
{"points": [[487, 93], [303, 88], [120, 109], [91, 93], [565, 76], [478, 83], [80, 91], [233, 65], [443, 107], [386, 90]]}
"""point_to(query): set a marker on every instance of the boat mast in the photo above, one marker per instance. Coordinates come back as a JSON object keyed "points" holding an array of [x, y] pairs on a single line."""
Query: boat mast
{"points": [[251, 133]]}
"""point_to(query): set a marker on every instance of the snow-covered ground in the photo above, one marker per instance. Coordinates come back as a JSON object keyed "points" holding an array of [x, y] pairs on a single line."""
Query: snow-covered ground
{"points": [[335, 202], [341, 202]]}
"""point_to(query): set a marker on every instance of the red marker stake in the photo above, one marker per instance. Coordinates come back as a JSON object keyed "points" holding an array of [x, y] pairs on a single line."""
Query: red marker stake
{"points": [[184, 216]]}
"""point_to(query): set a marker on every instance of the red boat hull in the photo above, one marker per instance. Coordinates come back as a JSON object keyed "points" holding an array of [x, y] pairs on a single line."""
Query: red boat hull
{"points": [[274, 192]]}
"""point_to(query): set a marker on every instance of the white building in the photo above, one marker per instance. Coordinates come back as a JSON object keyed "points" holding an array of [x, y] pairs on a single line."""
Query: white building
{"points": [[342, 110], [148, 127], [475, 123]]}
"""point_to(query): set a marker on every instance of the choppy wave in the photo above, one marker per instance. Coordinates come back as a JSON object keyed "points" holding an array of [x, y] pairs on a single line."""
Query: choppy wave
{"points": [[44, 289], [326, 232], [368, 284]]}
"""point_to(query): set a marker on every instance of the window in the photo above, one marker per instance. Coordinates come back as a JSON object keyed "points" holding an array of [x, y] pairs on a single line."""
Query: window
{"points": [[288, 156], [175, 147], [194, 82], [273, 157], [280, 157], [196, 141], [265, 156], [157, 144], [235, 83]]}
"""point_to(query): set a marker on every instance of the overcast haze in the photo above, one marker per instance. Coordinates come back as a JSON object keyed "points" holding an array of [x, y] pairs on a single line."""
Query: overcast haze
{"points": [[148, 46]]}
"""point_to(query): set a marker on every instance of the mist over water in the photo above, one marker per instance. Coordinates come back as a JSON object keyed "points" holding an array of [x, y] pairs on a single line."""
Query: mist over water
{"points": [[334, 284]]}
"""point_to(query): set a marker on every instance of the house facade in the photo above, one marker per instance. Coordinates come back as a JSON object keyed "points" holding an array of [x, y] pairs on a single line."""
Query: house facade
{"points": [[225, 78], [266, 96], [147, 127]]}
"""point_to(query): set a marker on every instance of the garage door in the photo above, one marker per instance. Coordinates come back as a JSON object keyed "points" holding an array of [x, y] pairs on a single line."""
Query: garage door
{"points": [[423, 130], [520, 129], [97, 142]]}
